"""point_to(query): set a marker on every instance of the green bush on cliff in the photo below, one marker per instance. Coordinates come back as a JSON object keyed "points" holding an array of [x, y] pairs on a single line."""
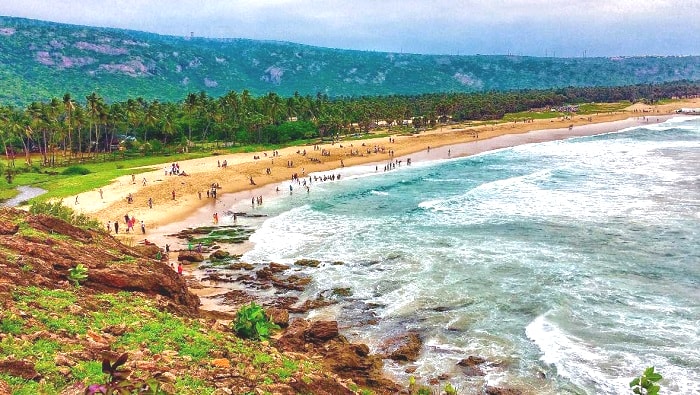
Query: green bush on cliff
{"points": [[65, 213], [252, 323]]}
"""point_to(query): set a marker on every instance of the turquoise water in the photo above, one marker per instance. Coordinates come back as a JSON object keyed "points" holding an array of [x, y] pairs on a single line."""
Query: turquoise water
{"points": [[570, 265]]}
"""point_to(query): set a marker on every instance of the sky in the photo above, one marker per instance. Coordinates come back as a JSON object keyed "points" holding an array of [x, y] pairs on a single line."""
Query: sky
{"points": [[561, 28]]}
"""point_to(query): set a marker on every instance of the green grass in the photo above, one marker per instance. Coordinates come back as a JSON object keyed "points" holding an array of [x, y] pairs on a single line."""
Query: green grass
{"points": [[526, 115], [596, 108], [62, 312]]}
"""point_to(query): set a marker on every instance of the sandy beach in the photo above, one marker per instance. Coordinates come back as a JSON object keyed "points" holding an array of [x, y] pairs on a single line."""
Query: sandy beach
{"points": [[445, 142]]}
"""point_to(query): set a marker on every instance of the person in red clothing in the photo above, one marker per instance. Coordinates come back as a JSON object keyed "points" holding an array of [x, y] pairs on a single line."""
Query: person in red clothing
{"points": [[179, 268]]}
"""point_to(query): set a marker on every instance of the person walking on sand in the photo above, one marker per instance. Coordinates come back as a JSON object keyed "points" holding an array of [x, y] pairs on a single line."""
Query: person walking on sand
{"points": [[173, 194], [150, 202], [179, 268], [143, 227], [116, 227], [76, 200], [101, 194]]}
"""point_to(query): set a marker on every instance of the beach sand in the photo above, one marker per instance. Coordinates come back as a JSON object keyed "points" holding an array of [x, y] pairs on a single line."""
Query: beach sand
{"points": [[234, 180]]}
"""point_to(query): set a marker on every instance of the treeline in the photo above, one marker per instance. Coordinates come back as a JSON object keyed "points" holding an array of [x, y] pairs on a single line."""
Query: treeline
{"points": [[92, 126]]}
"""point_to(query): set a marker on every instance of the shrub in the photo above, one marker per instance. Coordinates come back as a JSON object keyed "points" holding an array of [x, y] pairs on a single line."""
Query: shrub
{"points": [[252, 323], [78, 274], [65, 213], [75, 170], [646, 383], [119, 382]]}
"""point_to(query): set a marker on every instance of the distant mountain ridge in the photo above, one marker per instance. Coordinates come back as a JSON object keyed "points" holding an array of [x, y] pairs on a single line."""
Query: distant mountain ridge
{"points": [[40, 60]]}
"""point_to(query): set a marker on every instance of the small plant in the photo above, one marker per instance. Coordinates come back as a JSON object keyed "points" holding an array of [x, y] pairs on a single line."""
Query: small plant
{"points": [[450, 390], [252, 323], [119, 383], [75, 170], [78, 274], [646, 383]]}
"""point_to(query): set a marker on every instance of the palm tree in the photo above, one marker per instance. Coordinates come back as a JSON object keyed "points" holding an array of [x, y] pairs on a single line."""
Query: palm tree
{"points": [[93, 110], [69, 107]]}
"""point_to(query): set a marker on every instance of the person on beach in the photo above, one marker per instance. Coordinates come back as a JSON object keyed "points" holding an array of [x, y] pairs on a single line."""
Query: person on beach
{"points": [[173, 194], [143, 227], [216, 218], [101, 194], [116, 227], [150, 202], [179, 268], [109, 226]]}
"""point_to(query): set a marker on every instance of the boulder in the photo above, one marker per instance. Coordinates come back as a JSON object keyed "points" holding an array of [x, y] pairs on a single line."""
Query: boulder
{"points": [[405, 347], [321, 331], [278, 316], [220, 255], [190, 256]]}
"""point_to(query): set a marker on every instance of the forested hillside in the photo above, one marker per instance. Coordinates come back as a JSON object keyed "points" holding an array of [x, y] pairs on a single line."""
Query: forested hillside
{"points": [[40, 60]]}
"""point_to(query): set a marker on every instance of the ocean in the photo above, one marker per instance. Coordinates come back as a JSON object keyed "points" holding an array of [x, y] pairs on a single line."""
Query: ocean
{"points": [[569, 265]]}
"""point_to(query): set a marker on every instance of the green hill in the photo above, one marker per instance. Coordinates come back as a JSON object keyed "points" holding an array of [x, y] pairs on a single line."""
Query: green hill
{"points": [[40, 60]]}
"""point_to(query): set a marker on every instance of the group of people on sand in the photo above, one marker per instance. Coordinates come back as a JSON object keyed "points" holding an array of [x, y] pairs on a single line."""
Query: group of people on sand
{"points": [[173, 169], [130, 222]]}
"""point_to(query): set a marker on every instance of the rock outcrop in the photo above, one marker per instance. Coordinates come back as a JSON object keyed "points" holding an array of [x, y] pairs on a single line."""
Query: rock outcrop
{"points": [[40, 250], [346, 359]]}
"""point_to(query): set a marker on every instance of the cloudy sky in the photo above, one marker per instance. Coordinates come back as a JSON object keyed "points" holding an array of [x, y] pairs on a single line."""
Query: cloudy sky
{"points": [[570, 28]]}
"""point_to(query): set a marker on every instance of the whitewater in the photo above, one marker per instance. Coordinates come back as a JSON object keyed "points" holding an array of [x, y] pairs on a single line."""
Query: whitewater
{"points": [[569, 265]]}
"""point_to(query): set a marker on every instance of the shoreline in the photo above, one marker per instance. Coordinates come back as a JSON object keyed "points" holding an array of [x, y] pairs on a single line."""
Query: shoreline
{"points": [[235, 178], [238, 201]]}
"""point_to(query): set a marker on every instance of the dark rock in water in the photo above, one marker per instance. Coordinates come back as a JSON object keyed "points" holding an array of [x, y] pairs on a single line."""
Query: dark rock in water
{"points": [[220, 255], [471, 361], [277, 267], [501, 391], [405, 347], [190, 256], [472, 371], [342, 291], [337, 263], [241, 266], [308, 262]]}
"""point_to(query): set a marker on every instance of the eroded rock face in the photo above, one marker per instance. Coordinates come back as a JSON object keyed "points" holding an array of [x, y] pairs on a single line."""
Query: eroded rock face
{"points": [[43, 248]]}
